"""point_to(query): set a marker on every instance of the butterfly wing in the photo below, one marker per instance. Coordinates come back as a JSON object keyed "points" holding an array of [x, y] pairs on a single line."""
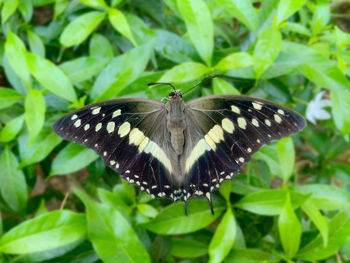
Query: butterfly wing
{"points": [[128, 134], [229, 130]]}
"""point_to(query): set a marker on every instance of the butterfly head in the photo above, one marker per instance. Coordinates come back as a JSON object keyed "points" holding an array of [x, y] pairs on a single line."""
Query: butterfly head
{"points": [[175, 94]]}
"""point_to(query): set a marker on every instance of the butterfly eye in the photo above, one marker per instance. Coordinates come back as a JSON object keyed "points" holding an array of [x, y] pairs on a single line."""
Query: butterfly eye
{"points": [[171, 94]]}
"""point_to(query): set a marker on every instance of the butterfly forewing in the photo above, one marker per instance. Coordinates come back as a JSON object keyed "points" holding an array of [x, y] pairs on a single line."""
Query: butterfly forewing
{"points": [[129, 135]]}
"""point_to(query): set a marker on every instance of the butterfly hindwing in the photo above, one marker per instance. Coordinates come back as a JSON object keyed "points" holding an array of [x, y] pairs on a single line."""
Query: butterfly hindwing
{"points": [[128, 134]]}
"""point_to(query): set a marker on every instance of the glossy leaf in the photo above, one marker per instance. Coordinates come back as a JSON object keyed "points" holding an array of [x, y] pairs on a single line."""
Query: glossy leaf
{"points": [[100, 47], [173, 220], [221, 86], [8, 9], [250, 255], [52, 230], [185, 72], [266, 50], [120, 72], [317, 218], [243, 11], [111, 234], [286, 8], [186, 248], [325, 197], [80, 28], [13, 186], [42, 146], [11, 129], [36, 44], [289, 229], [94, 3], [9, 97], [72, 158], [16, 55], [199, 26], [339, 234], [269, 202], [235, 61], [224, 238], [82, 68], [286, 157], [341, 109], [34, 113], [120, 23], [51, 77]]}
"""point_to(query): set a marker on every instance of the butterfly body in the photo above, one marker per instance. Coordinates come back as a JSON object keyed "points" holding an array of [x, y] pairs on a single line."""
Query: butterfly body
{"points": [[178, 150]]}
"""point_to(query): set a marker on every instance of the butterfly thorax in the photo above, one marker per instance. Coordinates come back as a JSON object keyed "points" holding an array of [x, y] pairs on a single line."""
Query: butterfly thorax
{"points": [[176, 122]]}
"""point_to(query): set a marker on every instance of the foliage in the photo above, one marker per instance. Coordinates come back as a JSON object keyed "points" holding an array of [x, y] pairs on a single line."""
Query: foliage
{"points": [[291, 202]]}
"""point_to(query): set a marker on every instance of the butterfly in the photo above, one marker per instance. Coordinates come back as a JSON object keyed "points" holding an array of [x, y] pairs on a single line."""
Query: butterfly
{"points": [[174, 149]]}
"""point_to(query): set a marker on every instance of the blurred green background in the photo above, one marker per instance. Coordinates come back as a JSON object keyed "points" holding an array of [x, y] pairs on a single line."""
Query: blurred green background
{"points": [[60, 203]]}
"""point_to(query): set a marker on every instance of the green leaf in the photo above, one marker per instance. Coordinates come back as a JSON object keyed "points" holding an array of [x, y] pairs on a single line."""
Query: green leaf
{"points": [[243, 11], [250, 255], [325, 197], [52, 230], [266, 50], [100, 47], [118, 199], [289, 228], [34, 113], [338, 236], [72, 158], [185, 248], [221, 86], [224, 238], [16, 82], [314, 214], [35, 43], [120, 72], [82, 68], [94, 3], [26, 9], [286, 8], [111, 234], [269, 202], [317, 68], [147, 210], [341, 109], [235, 61], [8, 10], [42, 146], [173, 220], [286, 157], [80, 28], [268, 154], [120, 23], [13, 185], [8, 97], [51, 77], [16, 54], [185, 72], [12, 128], [199, 26]]}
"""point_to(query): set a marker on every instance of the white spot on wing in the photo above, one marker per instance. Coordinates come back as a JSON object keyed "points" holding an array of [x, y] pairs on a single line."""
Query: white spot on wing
{"points": [[110, 127], [255, 122], [235, 109], [116, 113], [96, 110], [77, 123], [158, 153], [124, 129], [228, 126], [86, 127], [197, 151], [74, 117], [257, 105], [98, 126], [242, 123], [216, 133], [280, 111], [268, 122], [277, 118]]}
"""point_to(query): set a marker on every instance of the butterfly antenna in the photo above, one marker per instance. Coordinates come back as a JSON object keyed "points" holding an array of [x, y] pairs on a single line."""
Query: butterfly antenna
{"points": [[202, 81], [161, 83]]}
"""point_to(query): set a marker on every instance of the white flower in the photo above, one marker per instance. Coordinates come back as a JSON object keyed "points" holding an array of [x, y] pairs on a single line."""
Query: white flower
{"points": [[315, 109]]}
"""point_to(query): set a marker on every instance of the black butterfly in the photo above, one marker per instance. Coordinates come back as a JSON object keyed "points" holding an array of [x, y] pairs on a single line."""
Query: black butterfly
{"points": [[175, 149]]}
